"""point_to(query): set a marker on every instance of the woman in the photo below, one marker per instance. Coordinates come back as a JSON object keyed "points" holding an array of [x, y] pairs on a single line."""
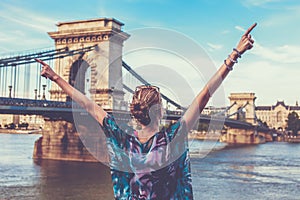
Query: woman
{"points": [[156, 162]]}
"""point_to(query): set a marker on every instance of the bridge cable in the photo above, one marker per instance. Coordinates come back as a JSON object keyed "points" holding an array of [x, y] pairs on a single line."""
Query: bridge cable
{"points": [[48, 83], [59, 66], [26, 80], [1, 84], [15, 81], [18, 80], [224, 111], [128, 89], [11, 76], [239, 110], [2, 81], [28, 56], [30, 59], [39, 79], [137, 76], [5, 81]]}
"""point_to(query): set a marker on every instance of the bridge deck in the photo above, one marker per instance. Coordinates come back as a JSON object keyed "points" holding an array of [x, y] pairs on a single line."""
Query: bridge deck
{"points": [[57, 109]]}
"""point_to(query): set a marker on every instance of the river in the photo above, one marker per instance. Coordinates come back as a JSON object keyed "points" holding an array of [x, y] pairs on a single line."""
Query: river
{"points": [[266, 171]]}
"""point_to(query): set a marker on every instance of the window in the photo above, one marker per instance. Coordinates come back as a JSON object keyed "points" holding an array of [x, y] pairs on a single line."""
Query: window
{"points": [[279, 116]]}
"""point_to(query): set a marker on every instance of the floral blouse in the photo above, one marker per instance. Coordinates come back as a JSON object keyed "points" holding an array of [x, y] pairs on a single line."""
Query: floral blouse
{"points": [[156, 169]]}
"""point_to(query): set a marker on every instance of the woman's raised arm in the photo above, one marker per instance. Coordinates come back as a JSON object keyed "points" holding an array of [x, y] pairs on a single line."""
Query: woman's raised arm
{"points": [[94, 109], [193, 112]]}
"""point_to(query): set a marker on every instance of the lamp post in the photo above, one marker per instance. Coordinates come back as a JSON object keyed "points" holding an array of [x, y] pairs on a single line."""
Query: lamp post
{"points": [[9, 89], [44, 95], [35, 94]]}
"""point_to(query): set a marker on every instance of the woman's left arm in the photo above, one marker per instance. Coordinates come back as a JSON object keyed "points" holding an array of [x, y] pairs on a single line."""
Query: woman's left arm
{"points": [[193, 112]]}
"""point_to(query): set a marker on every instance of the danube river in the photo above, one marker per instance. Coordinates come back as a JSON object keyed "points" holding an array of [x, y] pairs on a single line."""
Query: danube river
{"points": [[267, 171]]}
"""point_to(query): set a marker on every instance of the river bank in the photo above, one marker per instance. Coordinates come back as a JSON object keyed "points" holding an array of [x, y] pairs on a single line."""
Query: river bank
{"points": [[20, 131]]}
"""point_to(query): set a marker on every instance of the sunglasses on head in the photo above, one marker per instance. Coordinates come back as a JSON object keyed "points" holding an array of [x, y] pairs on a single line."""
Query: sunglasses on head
{"points": [[141, 87]]}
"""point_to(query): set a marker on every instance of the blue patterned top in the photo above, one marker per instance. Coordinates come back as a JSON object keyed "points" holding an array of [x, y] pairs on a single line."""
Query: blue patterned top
{"points": [[156, 169]]}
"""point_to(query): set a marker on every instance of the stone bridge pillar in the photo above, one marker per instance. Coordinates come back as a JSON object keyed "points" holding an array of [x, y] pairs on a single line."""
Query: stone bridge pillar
{"points": [[242, 136]]}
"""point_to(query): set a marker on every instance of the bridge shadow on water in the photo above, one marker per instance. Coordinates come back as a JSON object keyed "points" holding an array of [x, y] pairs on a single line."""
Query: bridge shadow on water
{"points": [[74, 180]]}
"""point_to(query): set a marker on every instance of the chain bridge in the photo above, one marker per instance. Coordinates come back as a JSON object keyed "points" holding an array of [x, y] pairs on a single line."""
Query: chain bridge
{"points": [[88, 54]]}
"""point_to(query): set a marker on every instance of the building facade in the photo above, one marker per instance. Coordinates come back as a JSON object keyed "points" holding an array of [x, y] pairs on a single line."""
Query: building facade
{"points": [[242, 107], [276, 116], [34, 121], [212, 110], [6, 119]]}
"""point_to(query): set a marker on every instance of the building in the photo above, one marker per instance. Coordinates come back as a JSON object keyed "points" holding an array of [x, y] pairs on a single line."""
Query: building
{"points": [[34, 121], [6, 119], [211, 110], [275, 116], [242, 107]]}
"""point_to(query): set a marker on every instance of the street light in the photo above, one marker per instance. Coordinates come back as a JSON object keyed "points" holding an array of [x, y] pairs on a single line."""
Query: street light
{"points": [[44, 95], [9, 88], [35, 94]]}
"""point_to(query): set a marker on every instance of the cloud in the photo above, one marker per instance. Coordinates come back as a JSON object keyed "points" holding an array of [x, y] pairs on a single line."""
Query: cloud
{"points": [[279, 54], [265, 79], [215, 46], [103, 12], [225, 32], [286, 54], [287, 18], [240, 28], [23, 29], [259, 3], [26, 18], [4, 49]]}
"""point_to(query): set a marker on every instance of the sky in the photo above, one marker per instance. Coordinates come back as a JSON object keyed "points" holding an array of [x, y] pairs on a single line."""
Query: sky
{"points": [[270, 69]]}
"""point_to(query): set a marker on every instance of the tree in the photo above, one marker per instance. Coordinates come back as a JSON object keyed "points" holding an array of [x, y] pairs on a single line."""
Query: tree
{"points": [[293, 122], [23, 125]]}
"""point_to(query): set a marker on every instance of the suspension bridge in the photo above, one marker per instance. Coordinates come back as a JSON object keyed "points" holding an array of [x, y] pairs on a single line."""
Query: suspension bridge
{"points": [[12, 68], [81, 56]]}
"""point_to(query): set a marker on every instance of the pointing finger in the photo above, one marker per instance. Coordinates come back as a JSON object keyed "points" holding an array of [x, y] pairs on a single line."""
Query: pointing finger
{"points": [[250, 29], [40, 61]]}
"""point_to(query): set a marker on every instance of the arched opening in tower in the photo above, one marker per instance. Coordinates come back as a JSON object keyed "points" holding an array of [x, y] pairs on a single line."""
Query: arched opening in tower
{"points": [[241, 114], [80, 77]]}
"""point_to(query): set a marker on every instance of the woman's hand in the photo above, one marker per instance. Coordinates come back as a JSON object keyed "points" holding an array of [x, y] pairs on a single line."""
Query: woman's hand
{"points": [[47, 72], [246, 41]]}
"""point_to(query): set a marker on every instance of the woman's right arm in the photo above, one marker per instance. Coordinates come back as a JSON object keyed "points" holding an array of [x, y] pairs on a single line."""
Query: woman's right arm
{"points": [[94, 109]]}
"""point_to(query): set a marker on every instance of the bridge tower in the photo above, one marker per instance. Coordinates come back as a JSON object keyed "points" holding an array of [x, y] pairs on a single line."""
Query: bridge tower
{"points": [[97, 73], [243, 106]]}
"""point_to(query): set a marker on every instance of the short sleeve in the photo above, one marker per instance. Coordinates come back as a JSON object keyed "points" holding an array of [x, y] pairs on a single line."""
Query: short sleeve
{"points": [[177, 129], [112, 131], [177, 139]]}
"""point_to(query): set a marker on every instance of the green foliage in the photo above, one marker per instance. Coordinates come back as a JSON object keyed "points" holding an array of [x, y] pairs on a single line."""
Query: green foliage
{"points": [[23, 125], [10, 126], [293, 122]]}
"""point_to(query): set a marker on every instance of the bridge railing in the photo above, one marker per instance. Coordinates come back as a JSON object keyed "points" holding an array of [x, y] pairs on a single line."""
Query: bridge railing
{"points": [[34, 103]]}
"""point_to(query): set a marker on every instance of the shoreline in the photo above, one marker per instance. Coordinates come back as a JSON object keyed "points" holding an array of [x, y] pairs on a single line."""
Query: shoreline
{"points": [[20, 131]]}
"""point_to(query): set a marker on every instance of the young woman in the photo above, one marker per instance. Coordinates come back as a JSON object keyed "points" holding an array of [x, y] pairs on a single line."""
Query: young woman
{"points": [[156, 162]]}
